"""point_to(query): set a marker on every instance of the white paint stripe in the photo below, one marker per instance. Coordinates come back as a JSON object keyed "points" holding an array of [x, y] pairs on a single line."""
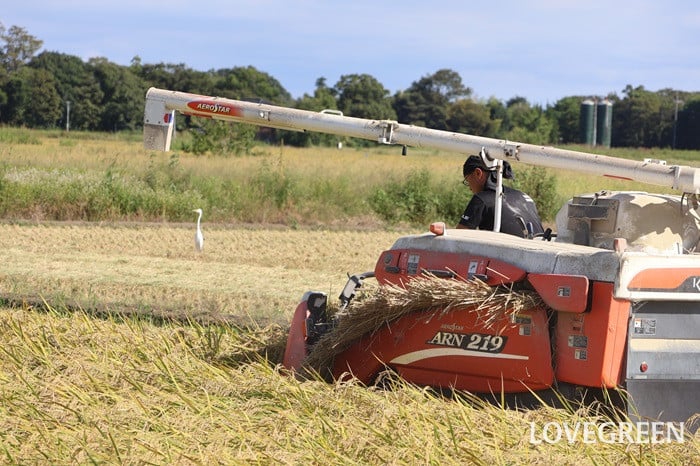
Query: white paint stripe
{"points": [[414, 356]]}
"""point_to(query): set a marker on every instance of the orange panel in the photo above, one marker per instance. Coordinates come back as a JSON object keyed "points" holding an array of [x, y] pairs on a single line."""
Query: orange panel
{"points": [[661, 279], [567, 293], [590, 346], [454, 350]]}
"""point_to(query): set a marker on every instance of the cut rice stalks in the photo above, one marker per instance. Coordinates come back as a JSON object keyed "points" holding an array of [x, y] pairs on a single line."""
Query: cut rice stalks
{"points": [[379, 306]]}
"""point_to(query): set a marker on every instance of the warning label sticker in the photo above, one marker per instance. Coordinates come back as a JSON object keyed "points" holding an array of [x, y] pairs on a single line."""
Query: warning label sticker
{"points": [[644, 326]]}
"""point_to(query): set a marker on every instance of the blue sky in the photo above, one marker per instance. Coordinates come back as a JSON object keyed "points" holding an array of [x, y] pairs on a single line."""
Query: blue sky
{"points": [[542, 50]]}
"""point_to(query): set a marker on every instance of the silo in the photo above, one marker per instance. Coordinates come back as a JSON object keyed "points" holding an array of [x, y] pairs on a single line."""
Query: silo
{"points": [[587, 122], [604, 123]]}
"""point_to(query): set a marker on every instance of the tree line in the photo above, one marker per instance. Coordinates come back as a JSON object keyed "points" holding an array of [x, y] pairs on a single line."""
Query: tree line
{"points": [[56, 90]]}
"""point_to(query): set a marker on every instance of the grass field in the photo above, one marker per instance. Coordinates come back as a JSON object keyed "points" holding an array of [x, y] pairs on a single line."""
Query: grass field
{"points": [[119, 344]]}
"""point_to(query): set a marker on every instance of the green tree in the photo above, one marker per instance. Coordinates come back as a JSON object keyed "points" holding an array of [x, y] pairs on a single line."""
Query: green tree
{"points": [[248, 83], [32, 99], [43, 107], [174, 76], [18, 47], [470, 117], [425, 102], [362, 96], [637, 119], [667, 114], [123, 93], [687, 134], [3, 97], [76, 83], [566, 117], [497, 114], [16, 97], [524, 123], [445, 83]]}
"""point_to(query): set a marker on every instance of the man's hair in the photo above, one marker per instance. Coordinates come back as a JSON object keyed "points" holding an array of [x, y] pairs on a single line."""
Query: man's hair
{"points": [[472, 163]]}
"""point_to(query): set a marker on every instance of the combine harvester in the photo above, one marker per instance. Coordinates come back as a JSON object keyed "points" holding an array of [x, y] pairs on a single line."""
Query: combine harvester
{"points": [[618, 284]]}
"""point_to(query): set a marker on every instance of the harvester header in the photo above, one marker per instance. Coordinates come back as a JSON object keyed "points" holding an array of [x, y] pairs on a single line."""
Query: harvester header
{"points": [[161, 106]]}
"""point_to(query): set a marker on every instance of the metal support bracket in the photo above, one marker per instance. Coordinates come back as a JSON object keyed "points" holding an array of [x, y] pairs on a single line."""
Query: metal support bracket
{"points": [[676, 176], [511, 150], [264, 115], [387, 136]]}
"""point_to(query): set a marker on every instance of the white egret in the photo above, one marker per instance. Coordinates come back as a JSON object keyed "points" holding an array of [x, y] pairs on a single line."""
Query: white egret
{"points": [[198, 237]]}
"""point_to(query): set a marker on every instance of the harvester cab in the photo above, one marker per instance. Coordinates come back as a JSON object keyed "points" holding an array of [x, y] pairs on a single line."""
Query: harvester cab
{"points": [[609, 302]]}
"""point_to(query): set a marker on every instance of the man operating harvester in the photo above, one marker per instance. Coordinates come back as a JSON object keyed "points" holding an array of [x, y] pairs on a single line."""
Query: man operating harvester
{"points": [[519, 215]]}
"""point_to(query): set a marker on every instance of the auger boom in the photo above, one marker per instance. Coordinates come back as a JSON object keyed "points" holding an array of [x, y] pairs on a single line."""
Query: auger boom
{"points": [[161, 105], [608, 302]]}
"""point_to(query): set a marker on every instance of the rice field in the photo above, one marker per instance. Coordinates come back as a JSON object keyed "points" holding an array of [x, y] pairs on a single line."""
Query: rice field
{"points": [[88, 374]]}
